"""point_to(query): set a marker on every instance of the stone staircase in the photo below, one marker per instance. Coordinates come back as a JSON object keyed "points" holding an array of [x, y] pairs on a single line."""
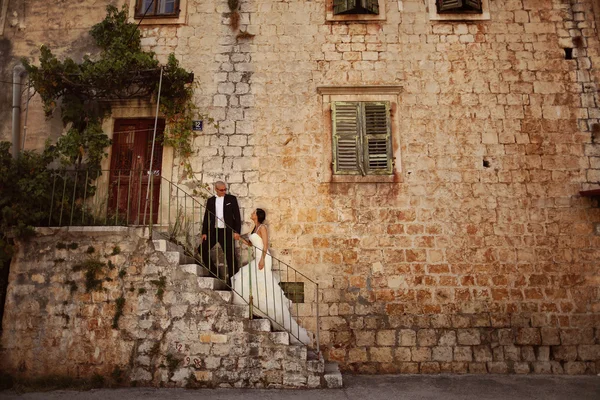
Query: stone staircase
{"points": [[275, 362]]}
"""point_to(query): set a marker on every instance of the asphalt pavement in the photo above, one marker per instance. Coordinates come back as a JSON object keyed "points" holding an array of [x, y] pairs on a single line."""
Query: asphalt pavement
{"points": [[368, 387]]}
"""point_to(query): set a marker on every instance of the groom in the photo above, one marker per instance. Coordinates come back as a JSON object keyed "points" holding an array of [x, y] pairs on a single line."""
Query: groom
{"points": [[222, 224]]}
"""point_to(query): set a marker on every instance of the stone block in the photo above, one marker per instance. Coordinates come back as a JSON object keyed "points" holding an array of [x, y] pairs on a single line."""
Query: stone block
{"points": [[429, 367], [409, 367], [447, 338], [365, 338], [506, 337], [543, 353], [574, 368], [550, 336], [407, 337], [527, 353], [386, 338], [426, 337], [564, 353], [381, 354], [478, 368], [420, 354], [468, 337], [203, 376], [482, 353], [442, 353], [402, 354], [463, 353], [542, 367], [357, 355], [521, 368], [589, 352], [497, 367], [528, 336]]}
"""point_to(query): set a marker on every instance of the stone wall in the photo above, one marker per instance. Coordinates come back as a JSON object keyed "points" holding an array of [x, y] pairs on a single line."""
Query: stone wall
{"points": [[482, 250], [171, 331]]}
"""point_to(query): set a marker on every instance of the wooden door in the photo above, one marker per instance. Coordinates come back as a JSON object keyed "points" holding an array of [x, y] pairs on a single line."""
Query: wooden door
{"points": [[131, 173]]}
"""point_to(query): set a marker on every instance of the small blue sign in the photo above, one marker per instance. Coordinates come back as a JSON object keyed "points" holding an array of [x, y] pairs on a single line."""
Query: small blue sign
{"points": [[197, 125]]}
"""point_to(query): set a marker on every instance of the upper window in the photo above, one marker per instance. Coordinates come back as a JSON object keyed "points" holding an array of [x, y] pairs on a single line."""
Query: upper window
{"points": [[355, 10], [460, 10], [341, 7], [362, 138], [158, 12], [459, 6], [157, 8]]}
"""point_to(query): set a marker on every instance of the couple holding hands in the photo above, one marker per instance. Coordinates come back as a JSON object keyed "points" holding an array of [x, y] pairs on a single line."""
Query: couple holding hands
{"points": [[222, 224]]}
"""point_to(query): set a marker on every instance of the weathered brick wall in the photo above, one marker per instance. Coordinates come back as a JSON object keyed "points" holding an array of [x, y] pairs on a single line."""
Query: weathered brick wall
{"points": [[484, 239], [172, 332]]}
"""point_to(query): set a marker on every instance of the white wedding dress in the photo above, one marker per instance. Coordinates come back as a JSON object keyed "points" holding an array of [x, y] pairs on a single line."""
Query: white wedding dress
{"points": [[268, 298]]}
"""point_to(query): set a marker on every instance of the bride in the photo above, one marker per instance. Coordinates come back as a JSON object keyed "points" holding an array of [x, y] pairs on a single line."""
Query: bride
{"points": [[268, 298]]}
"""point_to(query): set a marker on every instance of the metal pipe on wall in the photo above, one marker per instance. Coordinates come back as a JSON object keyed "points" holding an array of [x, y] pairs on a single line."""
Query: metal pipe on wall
{"points": [[18, 72]]}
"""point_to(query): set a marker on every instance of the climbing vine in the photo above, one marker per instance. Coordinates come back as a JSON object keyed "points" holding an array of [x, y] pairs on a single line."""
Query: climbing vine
{"points": [[121, 70]]}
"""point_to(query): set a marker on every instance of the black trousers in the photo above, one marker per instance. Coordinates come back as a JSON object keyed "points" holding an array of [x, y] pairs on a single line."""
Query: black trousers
{"points": [[225, 238]]}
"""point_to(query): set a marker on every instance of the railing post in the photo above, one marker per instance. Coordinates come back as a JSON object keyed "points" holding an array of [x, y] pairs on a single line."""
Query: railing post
{"points": [[52, 200], [62, 206], [73, 201], [250, 294], [151, 177], [318, 320], [87, 171]]}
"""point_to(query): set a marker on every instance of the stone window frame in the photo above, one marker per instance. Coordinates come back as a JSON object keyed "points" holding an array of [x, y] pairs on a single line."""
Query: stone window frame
{"points": [[435, 16], [179, 19], [331, 94], [330, 17]]}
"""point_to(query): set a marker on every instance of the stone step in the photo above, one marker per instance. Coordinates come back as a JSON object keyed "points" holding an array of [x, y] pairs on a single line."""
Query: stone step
{"points": [[259, 325], [332, 375], [205, 282], [226, 295], [238, 310], [280, 337], [164, 245], [173, 257], [195, 269]]}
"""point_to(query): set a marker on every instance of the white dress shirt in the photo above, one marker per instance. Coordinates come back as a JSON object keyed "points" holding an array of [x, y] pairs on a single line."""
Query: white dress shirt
{"points": [[219, 205]]}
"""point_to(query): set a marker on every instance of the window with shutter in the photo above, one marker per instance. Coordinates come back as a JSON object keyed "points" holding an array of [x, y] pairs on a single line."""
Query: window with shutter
{"points": [[342, 7], [362, 138], [459, 6], [156, 8], [346, 138], [378, 152]]}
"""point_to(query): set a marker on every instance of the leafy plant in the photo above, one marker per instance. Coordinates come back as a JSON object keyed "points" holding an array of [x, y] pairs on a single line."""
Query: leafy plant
{"points": [[121, 70], [92, 268], [120, 303], [160, 284]]}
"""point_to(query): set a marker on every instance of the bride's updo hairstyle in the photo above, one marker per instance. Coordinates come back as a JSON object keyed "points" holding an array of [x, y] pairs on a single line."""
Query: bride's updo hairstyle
{"points": [[260, 215]]}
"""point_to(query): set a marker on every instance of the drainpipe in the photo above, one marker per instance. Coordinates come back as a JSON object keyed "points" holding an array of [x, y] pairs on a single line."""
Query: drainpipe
{"points": [[18, 72]]}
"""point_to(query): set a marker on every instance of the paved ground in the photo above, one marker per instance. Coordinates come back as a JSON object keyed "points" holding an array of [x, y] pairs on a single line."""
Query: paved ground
{"points": [[362, 387]]}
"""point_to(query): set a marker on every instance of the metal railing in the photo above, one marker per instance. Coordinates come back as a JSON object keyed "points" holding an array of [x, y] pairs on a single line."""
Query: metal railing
{"points": [[146, 199]]}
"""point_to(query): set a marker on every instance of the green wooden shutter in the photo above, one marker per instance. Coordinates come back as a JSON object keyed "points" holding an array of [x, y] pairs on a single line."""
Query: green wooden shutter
{"points": [[343, 6], [474, 5], [372, 6], [459, 6], [449, 5], [378, 154], [347, 157]]}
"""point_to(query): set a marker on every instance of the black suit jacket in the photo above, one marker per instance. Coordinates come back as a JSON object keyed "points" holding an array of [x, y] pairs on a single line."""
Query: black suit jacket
{"points": [[231, 214]]}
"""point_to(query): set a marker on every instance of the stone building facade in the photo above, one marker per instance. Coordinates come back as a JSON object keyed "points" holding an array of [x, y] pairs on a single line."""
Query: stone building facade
{"points": [[475, 251]]}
